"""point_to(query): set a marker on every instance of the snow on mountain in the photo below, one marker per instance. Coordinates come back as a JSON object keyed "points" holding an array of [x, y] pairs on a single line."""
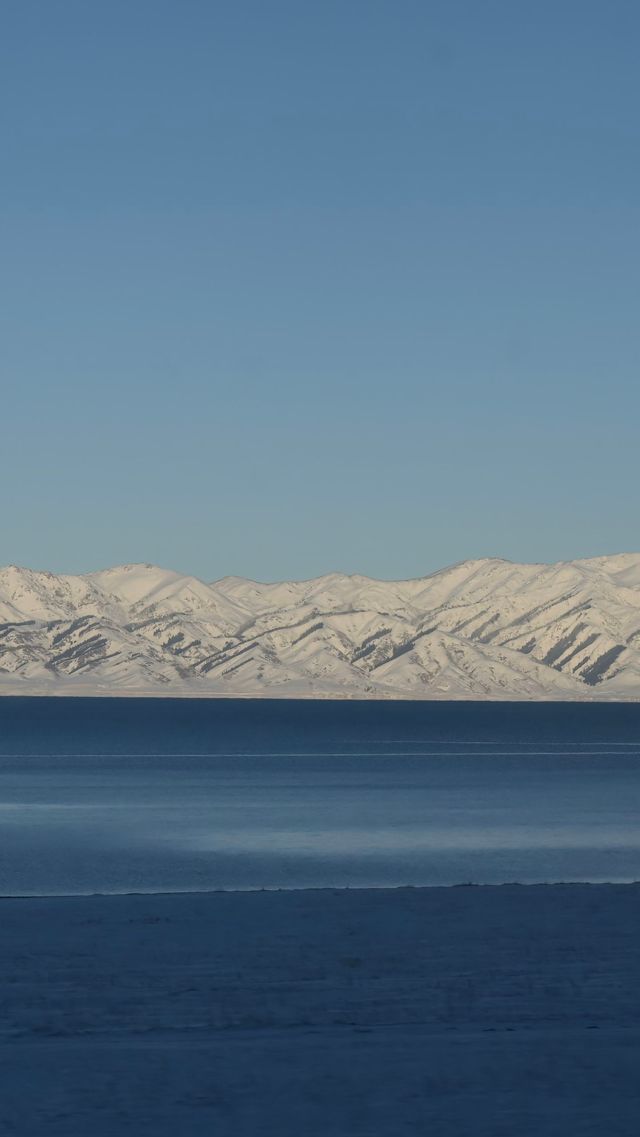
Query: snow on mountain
{"points": [[479, 629]]}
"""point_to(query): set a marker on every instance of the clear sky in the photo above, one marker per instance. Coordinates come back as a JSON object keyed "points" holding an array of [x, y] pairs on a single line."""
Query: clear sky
{"points": [[292, 286]]}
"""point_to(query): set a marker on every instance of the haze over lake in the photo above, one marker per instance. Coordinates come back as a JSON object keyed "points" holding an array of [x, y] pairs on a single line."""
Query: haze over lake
{"points": [[118, 795]]}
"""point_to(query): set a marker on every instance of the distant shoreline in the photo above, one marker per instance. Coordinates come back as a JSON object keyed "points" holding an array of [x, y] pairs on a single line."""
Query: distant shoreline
{"points": [[315, 697], [327, 890]]}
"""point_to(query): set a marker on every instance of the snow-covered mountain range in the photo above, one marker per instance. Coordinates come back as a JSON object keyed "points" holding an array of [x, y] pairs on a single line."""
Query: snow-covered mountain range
{"points": [[480, 629]]}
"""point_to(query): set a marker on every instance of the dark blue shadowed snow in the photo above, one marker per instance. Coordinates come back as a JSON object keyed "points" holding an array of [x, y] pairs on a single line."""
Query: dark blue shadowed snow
{"points": [[160, 795]]}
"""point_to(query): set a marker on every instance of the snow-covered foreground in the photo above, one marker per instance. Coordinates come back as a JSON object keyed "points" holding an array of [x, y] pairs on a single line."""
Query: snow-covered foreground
{"points": [[488, 1011]]}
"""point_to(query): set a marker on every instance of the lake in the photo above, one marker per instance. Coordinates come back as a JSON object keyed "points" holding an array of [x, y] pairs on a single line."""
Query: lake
{"points": [[127, 795]]}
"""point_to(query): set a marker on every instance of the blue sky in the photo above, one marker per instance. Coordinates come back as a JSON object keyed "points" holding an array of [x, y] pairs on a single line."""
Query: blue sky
{"points": [[289, 287]]}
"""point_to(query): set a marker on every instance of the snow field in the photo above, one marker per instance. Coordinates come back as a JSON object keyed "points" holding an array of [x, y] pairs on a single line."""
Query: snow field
{"points": [[487, 1010]]}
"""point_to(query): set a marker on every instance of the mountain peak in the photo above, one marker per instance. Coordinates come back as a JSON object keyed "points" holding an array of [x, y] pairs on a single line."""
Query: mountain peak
{"points": [[483, 628]]}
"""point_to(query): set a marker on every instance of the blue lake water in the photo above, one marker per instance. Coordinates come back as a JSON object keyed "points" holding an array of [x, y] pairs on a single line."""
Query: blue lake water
{"points": [[122, 795]]}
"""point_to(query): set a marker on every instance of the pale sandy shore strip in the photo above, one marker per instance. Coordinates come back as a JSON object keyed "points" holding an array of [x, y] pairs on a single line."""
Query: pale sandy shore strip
{"points": [[508, 1010]]}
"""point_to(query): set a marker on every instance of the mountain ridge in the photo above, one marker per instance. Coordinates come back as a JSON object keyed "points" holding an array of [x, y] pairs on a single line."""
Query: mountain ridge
{"points": [[486, 628]]}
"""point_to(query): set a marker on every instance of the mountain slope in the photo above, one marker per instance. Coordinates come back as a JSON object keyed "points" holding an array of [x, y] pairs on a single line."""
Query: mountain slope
{"points": [[478, 629]]}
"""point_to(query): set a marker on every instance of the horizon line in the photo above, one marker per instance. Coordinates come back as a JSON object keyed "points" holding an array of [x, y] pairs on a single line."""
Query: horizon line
{"points": [[322, 576]]}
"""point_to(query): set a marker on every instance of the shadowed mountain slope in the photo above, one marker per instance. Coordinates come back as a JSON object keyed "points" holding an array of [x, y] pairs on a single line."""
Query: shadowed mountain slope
{"points": [[479, 629]]}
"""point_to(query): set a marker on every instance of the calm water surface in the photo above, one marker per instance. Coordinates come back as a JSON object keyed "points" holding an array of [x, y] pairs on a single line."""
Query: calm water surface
{"points": [[116, 795]]}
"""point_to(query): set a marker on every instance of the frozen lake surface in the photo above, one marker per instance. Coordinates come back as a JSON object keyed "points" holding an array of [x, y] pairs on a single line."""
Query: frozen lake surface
{"points": [[497, 1012], [119, 795]]}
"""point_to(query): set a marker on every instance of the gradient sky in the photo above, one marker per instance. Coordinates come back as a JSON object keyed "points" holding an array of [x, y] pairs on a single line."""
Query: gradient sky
{"points": [[289, 287]]}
